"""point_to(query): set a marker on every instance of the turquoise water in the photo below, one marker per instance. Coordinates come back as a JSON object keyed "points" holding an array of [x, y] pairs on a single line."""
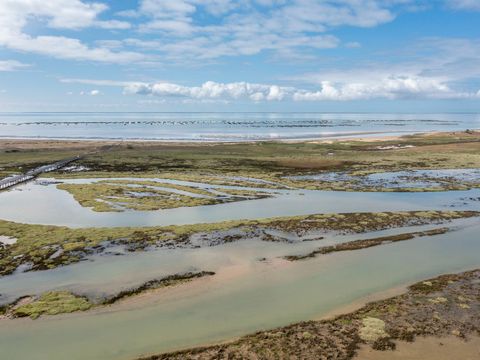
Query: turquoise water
{"points": [[245, 295]]}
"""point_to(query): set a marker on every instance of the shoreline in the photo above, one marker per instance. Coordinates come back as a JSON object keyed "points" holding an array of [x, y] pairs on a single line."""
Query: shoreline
{"points": [[125, 141], [374, 324], [377, 136]]}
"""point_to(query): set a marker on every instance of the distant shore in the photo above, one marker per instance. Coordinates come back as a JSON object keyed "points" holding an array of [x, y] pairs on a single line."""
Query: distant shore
{"points": [[35, 143], [361, 135]]}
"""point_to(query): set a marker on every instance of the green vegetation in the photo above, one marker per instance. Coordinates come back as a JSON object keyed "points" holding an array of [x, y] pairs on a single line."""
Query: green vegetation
{"points": [[115, 197], [61, 302], [446, 150], [52, 303], [145, 183], [18, 156], [46, 247], [274, 161], [366, 243], [271, 161], [119, 195], [372, 329]]}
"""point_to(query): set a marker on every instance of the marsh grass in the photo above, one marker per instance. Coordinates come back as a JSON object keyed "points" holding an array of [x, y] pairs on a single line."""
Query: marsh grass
{"points": [[120, 195], [219, 164], [36, 244], [52, 303]]}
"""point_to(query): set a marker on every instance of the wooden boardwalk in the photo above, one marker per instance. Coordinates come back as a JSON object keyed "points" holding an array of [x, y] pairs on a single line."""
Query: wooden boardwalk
{"points": [[32, 174]]}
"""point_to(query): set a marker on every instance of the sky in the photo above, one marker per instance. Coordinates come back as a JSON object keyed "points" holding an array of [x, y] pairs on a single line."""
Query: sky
{"points": [[243, 55]]}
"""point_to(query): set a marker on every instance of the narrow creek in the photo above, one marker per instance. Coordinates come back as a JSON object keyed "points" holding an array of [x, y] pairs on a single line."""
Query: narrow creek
{"points": [[57, 207], [246, 295], [253, 289]]}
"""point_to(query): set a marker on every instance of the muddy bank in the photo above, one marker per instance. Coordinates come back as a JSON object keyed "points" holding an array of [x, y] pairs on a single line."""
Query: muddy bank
{"points": [[60, 302], [448, 305], [167, 281], [42, 247], [363, 244]]}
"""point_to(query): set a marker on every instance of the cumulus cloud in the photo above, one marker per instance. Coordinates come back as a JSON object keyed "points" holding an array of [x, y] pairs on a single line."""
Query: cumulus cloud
{"points": [[389, 88], [393, 87], [211, 90], [58, 14]]}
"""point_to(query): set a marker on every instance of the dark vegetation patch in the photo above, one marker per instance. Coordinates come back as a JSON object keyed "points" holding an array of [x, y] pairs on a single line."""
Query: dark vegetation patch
{"points": [[167, 281], [366, 243], [42, 247]]}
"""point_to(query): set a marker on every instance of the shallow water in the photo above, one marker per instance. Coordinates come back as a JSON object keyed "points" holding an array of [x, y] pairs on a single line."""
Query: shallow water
{"points": [[401, 179], [105, 275], [45, 204], [224, 126], [245, 295]]}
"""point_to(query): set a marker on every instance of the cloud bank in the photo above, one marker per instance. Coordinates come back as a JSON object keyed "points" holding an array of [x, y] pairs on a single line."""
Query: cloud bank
{"points": [[402, 87]]}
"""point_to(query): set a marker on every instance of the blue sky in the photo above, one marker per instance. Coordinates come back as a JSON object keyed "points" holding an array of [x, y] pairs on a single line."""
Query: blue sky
{"points": [[244, 55]]}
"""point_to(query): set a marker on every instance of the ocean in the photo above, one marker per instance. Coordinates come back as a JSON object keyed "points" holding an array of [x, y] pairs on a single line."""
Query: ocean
{"points": [[225, 126]]}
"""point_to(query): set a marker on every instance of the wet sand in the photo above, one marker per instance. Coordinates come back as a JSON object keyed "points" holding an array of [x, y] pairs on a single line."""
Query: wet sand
{"points": [[94, 143], [428, 348]]}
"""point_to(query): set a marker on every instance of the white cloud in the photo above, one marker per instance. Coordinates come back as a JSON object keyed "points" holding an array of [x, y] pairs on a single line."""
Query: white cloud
{"points": [[211, 90], [97, 82], [429, 67], [389, 88], [11, 65], [58, 14], [250, 27], [464, 4], [94, 92], [178, 30], [392, 87]]}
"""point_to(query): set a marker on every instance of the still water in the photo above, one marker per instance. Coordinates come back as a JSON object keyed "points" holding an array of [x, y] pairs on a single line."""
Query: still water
{"points": [[45, 204], [245, 295], [224, 126]]}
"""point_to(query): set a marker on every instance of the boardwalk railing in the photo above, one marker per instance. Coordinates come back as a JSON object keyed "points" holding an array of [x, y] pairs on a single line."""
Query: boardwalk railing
{"points": [[31, 174]]}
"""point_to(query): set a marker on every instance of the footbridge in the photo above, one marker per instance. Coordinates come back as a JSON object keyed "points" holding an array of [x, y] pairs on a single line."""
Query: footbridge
{"points": [[33, 173]]}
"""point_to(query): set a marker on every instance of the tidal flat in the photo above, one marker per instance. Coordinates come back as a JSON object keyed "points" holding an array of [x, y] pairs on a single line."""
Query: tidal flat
{"points": [[188, 244], [444, 306]]}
